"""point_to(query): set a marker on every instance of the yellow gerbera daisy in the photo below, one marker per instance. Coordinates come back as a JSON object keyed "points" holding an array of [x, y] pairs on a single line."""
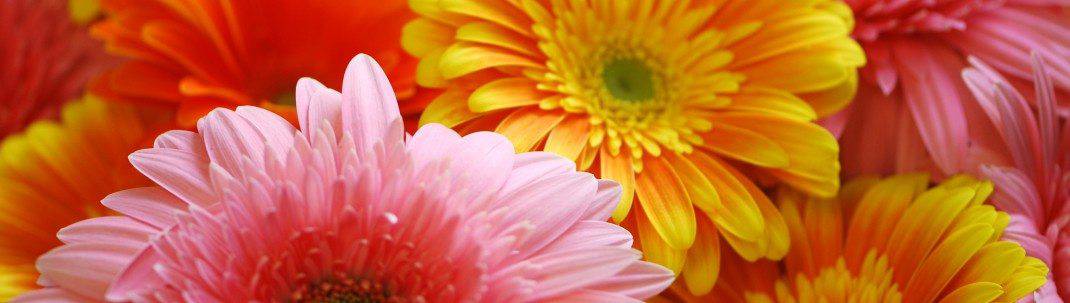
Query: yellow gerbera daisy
{"points": [[888, 240], [673, 99], [55, 174]]}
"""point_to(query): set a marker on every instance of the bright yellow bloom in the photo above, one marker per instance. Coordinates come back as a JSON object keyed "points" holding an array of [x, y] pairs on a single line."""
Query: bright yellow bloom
{"points": [[55, 174], [673, 99], [890, 240]]}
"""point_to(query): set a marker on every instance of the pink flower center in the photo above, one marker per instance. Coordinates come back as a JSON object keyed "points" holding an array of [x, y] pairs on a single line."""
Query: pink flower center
{"points": [[344, 290], [889, 17]]}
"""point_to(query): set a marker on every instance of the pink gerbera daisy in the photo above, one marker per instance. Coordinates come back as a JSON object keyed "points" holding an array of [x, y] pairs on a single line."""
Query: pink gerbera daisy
{"points": [[45, 60], [347, 209], [1030, 170], [911, 93]]}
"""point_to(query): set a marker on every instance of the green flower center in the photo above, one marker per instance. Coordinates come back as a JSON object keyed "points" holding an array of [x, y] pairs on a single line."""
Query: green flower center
{"points": [[628, 79]]}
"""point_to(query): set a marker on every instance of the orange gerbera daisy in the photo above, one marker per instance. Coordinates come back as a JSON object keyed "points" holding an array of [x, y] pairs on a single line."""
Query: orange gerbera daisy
{"points": [[673, 99], [55, 173], [203, 54], [888, 240]]}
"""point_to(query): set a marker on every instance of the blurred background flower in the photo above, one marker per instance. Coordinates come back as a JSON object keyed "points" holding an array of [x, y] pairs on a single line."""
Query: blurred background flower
{"points": [[199, 55], [677, 100], [1030, 168], [912, 108], [55, 174], [888, 240], [46, 60]]}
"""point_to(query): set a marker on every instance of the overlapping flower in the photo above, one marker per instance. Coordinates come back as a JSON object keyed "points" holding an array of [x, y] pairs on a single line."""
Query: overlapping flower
{"points": [[671, 98]]}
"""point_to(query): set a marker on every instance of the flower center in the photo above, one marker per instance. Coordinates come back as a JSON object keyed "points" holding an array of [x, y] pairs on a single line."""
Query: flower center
{"points": [[628, 80], [347, 290], [874, 279]]}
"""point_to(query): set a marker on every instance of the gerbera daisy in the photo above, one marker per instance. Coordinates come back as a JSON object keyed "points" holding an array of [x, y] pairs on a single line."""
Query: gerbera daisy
{"points": [[55, 174], [890, 240], [1030, 170], [911, 95], [347, 209], [46, 61], [671, 98], [199, 55]]}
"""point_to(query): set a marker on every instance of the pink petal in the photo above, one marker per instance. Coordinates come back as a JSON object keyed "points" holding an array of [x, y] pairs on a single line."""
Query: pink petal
{"points": [[590, 234], [150, 205], [182, 140], [49, 295], [552, 205], [934, 95], [114, 230], [594, 296], [276, 131], [604, 201], [229, 137], [183, 174], [562, 272], [369, 106], [317, 104], [641, 280], [85, 268]]}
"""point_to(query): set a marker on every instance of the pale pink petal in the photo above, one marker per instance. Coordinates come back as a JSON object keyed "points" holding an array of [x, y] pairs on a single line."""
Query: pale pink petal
{"points": [[432, 143], [278, 133], [150, 205], [368, 104], [481, 163], [639, 280], [317, 104], [229, 138], [183, 140], [552, 205], [115, 230], [604, 201], [593, 296], [50, 295], [532, 166], [183, 174], [562, 272], [85, 269], [590, 234]]}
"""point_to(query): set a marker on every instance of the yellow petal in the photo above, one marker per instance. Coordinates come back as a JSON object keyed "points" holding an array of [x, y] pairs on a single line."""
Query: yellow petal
{"points": [[501, 13], [449, 109], [422, 36], [736, 211], [785, 35], [525, 127], [744, 145], [703, 259], [504, 93], [487, 33], [619, 168], [465, 58], [813, 152], [809, 72], [666, 203], [654, 247], [944, 262], [771, 101], [980, 292]]}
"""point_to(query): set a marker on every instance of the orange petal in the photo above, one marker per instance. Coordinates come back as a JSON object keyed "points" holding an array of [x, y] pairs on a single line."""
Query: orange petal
{"points": [[527, 126], [666, 203]]}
